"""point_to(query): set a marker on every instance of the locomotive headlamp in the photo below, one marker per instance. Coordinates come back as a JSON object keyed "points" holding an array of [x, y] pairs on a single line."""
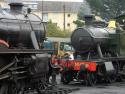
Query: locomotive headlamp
{"points": [[112, 24]]}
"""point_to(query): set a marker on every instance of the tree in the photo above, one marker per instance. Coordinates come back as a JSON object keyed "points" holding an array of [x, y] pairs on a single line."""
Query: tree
{"points": [[84, 10], [54, 31], [79, 23], [107, 9]]}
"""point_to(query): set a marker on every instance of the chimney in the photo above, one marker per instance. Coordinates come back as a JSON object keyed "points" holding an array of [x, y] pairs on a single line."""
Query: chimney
{"points": [[89, 19], [15, 7]]}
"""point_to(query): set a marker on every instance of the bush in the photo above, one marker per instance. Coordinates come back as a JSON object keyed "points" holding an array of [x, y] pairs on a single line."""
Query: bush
{"points": [[54, 31]]}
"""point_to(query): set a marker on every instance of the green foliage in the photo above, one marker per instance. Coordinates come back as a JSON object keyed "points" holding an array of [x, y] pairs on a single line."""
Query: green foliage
{"points": [[54, 31], [84, 10], [107, 9], [79, 23]]}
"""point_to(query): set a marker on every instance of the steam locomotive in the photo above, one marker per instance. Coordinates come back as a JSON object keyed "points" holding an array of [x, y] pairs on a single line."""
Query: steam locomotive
{"points": [[23, 62], [99, 54]]}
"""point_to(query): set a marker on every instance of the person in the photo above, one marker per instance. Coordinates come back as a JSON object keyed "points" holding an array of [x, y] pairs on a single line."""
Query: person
{"points": [[54, 68], [69, 55]]}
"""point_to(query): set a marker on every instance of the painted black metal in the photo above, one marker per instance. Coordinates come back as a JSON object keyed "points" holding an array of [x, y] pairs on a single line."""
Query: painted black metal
{"points": [[24, 65], [102, 45], [24, 51], [15, 28], [87, 37]]}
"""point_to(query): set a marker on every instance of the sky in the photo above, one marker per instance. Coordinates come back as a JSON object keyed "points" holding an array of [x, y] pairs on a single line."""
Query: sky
{"points": [[67, 0], [58, 0]]}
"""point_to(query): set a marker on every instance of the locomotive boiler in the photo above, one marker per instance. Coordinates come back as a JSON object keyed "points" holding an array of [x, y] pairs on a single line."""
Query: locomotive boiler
{"points": [[16, 26], [90, 36], [99, 53], [23, 62]]}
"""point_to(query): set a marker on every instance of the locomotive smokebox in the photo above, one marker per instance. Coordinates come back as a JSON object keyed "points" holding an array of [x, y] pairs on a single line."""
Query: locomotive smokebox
{"points": [[87, 37]]}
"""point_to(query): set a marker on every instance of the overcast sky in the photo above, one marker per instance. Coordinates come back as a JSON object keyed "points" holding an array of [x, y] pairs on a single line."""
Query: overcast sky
{"points": [[66, 0], [58, 0]]}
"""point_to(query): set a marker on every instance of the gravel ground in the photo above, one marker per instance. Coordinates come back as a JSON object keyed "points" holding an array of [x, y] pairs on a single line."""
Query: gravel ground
{"points": [[114, 88]]}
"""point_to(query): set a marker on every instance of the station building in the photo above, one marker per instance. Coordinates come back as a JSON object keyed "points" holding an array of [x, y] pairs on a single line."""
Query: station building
{"points": [[63, 14]]}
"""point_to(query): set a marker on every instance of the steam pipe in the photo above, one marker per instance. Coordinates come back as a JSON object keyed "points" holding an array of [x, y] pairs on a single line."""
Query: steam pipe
{"points": [[99, 51]]}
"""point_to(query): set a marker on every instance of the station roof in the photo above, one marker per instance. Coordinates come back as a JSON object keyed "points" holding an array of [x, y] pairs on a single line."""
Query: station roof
{"points": [[57, 7], [53, 7]]}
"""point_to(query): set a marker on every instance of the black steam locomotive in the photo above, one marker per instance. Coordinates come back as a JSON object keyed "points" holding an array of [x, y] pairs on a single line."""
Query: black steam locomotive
{"points": [[101, 44], [23, 62]]}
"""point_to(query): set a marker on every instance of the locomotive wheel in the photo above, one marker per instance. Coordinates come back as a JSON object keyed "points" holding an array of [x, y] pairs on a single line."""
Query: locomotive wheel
{"points": [[65, 78], [13, 88], [3, 88], [111, 78], [122, 77], [91, 78], [2, 58], [3, 85], [9, 88]]}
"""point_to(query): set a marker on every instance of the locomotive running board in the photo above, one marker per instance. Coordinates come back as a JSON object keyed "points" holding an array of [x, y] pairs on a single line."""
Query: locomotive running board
{"points": [[105, 59], [121, 72], [113, 58], [24, 51]]}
